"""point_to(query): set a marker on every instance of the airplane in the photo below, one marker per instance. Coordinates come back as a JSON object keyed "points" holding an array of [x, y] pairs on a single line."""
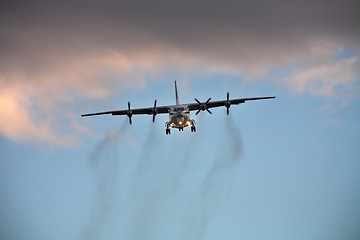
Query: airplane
{"points": [[179, 114]]}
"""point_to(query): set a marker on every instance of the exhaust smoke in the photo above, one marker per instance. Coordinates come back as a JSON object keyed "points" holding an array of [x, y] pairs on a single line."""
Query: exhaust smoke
{"points": [[217, 180], [173, 192], [104, 162]]}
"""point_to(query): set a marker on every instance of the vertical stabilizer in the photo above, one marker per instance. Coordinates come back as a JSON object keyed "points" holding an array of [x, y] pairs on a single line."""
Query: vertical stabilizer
{"points": [[176, 94]]}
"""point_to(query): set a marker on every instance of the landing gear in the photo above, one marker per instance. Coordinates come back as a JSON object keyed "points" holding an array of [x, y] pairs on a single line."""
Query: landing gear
{"points": [[167, 130], [190, 123], [193, 128]]}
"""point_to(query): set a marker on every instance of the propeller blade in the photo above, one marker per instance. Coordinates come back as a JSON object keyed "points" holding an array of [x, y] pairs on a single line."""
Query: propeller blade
{"points": [[154, 111], [129, 113], [202, 106], [227, 103]]}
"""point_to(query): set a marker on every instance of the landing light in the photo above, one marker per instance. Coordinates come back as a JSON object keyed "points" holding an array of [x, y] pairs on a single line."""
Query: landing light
{"points": [[172, 124], [180, 122], [188, 123]]}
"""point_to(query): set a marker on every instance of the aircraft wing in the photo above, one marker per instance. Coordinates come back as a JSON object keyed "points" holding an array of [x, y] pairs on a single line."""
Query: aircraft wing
{"points": [[198, 106], [135, 111]]}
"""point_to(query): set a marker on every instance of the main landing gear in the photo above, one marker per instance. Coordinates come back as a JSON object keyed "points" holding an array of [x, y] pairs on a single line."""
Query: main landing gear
{"points": [[181, 128], [167, 130], [193, 128]]}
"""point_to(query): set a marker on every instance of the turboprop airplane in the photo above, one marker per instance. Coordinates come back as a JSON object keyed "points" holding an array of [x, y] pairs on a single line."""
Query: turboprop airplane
{"points": [[179, 114]]}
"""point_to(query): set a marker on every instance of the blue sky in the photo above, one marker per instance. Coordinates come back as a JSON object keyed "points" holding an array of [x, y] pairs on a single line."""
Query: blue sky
{"points": [[286, 168], [292, 172]]}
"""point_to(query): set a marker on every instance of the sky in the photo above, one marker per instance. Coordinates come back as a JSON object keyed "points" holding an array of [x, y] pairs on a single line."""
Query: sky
{"points": [[285, 168]]}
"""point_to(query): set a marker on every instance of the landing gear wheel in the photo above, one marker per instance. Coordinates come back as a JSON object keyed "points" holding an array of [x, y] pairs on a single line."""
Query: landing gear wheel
{"points": [[167, 131], [193, 129]]}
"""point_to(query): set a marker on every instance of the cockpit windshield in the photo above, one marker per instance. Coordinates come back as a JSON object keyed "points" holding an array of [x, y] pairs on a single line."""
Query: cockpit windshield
{"points": [[180, 109]]}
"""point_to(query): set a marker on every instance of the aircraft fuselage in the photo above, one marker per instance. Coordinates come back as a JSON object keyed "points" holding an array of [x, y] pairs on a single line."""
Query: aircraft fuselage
{"points": [[179, 117]]}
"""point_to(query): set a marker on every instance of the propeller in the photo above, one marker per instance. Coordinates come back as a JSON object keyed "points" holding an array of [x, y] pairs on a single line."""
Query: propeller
{"points": [[203, 106], [129, 113], [154, 111], [227, 103]]}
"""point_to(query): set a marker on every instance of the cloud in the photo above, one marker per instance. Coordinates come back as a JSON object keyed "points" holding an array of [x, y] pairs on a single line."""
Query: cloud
{"points": [[17, 123], [61, 53], [323, 79]]}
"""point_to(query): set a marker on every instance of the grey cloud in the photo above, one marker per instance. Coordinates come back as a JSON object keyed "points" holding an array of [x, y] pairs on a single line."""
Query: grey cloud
{"points": [[49, 47], [229, 30]]}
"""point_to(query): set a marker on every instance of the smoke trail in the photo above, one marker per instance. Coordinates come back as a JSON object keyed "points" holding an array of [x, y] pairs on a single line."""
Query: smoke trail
{"points": [[226, 159], [143, 194], [187, 153], [104, 160], [219, 176], [236, 139], [149, 147], [160, 190], [145, 160], [158, 179], [228, 154]]}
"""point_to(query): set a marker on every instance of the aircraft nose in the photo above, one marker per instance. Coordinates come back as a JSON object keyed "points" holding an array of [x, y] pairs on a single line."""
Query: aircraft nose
{"points": [[180, 119]]}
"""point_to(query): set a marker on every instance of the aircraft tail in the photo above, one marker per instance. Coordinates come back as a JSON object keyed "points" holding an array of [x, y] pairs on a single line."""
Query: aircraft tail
{"points": [[176, 94]]}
